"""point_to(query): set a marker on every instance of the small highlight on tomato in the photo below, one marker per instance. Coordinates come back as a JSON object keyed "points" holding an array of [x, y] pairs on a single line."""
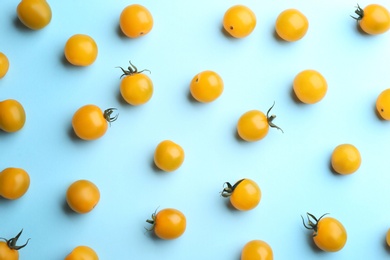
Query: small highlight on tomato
{"points": [[239, 21], [244, 195], [34, 14], [168, 223], [9, 248], [373, 19]]}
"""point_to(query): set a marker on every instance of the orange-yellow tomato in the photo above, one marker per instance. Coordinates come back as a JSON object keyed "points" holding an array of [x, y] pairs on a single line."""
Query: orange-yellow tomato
{"points": [[206, 86], [373, 19], [81, 50], [82, 253], [35, 14], [168, 223], [244, 194], [4, 65], [90, 122], [168, 156], [291, 25], [383, 104], [135, 21], [82, 196], [239, 21], [346, 159], [12, 116], [253, 126], [310, 86], [388, 237], [14, 183], [257, 250], [6, 253]]}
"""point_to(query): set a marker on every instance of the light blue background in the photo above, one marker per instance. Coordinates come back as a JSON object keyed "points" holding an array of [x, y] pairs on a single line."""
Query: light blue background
{"points": [[292, 169]]}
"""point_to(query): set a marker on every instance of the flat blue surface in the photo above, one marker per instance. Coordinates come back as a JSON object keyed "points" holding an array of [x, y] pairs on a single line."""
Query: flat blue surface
{"points": [[292, 169]]}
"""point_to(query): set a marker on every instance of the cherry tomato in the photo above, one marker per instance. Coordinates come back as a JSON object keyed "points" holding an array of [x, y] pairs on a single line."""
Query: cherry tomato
{"points": [[291, 25], [81, 50], [328, 233], [82, 253], [136, 88], [14, 183], [12, 116], [82, 196], [135, 21], [168, 223], [4, 65], [257, 250], [373, 19], [206, 86], [310, 86], [168, 156], [239, 21], [254, 125], [35, 14], [9, 249], [346, 159], [388, 237], [90, 122], [244, 194], [383, 104]]}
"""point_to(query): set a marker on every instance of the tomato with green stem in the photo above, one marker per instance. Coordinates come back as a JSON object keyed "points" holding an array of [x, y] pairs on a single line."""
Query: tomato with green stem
{"points": [[244, 195], [373, 19], [135, 21], [4, 65], [257, 250], [12, 115], [35, 14], [239, 21], [9, 249], [82, 253], [14, 183], [168, 223]]}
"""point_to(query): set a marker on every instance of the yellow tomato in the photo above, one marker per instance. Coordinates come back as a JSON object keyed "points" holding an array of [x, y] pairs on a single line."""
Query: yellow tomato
{"points": [[12, 116], [82, 196], [310, 86], [239, 21], [257, 250], [244, 194], [81, 50], [4, 65], [291, 25], [135, 21], [346, 159], [9, 249], [35, 14], [206, 86], [82, 253], [168, 223], [388, 237], [168, 156], [373, 19], [383, 104], [14, 183]]}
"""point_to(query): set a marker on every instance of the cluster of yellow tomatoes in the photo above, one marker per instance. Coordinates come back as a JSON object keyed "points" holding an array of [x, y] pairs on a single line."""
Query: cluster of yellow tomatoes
{"points": [[90, 122]]}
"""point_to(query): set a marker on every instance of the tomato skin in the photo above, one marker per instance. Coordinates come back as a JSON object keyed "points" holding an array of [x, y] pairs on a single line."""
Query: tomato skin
{"points": [[383, 104], [246, 195], [291, 25], [252, 126], [35, 14], [168, 156], [310, 86], [4, 65], [375, 19], [7, 253], [206, 86], [331, 235], [135, 21], [14, 183], [346, 159], [169, 223], [82, 253], [239, 21], [136, 89], [81, 50], [82, 196], [89, 122], [257, 250], [12, 116], [388, 237]]}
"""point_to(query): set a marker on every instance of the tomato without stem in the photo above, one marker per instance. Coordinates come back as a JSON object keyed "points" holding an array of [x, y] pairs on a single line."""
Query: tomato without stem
{"points": [[257, 250], [82, 196], [168, 223], [373, 19], [239, 21], [81, 50], [136, 21], [14, 183], [383, 104], [206, 86], [35, 14], [291, 25], [244, 194], [346, 159], [12, 116], [168, 156], [388, 237], [82, 253], [4, 65], [310, 86]]}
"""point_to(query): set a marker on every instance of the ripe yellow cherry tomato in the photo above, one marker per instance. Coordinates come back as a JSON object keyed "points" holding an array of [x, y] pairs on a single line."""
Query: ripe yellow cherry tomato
{"points": [[383, 104], [346, 159], [388, 237], [328, 233], [4, 65], [239, 21], [168, 156], [90, 122], [257, 250], [82, 196], [81, 50], [244, 194], [12, 116], [291, 25], [136, 88], [168, 223], [135, 21], [9, 249], [206, 86], [82, 253], [14, 183], [373, 19], [254, 125], [310, 86], [35, 14]]}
